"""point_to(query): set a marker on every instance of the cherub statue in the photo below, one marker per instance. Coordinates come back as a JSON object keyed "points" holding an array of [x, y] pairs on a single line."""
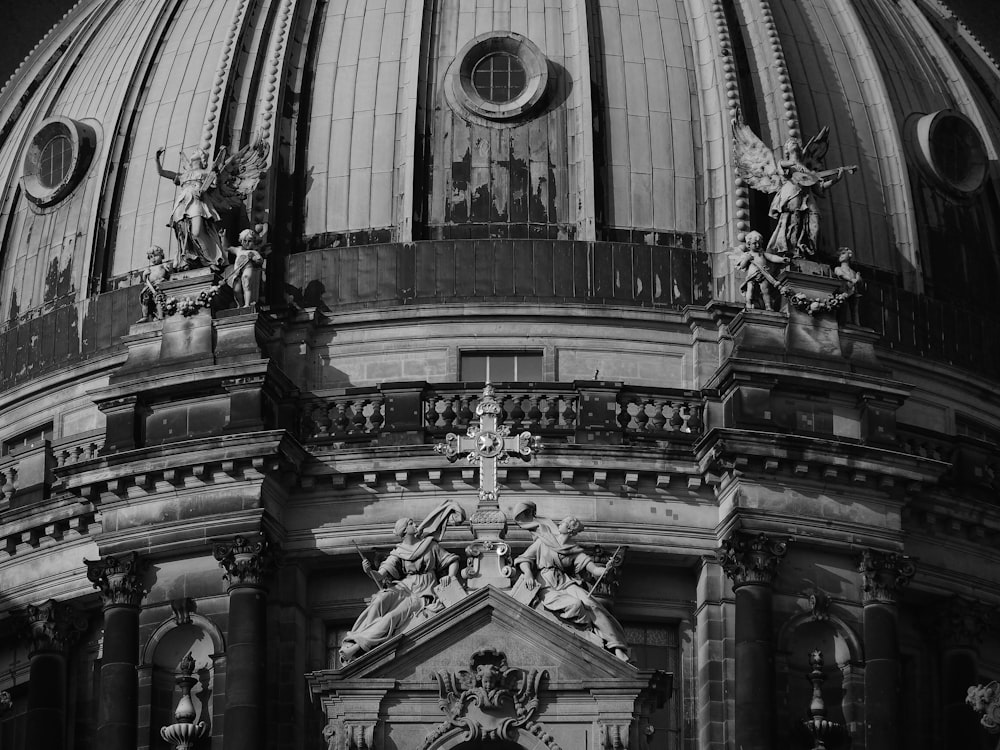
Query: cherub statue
{"points": [[407, 580], [759, 286], [852, 281], [208, 197], [554, 564], [247, 266], [794, 179], [151, 298]]}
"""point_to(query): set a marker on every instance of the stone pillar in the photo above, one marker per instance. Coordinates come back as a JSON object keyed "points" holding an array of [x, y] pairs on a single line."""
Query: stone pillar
{"points": [[246, 564], [883, 575], [961, 625], [751, 561], [120, 580], [51, 629]]}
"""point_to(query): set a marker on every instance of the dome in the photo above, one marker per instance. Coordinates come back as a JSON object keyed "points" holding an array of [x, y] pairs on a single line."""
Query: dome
{"points": [[635, 346]]}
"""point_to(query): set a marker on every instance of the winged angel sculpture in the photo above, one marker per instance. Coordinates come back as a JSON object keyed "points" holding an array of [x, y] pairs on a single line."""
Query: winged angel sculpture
{"points": [[794, 179], [210, 200]]}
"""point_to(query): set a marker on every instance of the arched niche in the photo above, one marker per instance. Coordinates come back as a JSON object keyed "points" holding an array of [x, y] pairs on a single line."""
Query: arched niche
{"points": [[164, 649], [843, 657]]}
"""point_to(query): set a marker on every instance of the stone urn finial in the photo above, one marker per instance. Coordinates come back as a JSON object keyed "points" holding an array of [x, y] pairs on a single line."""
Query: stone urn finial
{"points": [[183, 733]]}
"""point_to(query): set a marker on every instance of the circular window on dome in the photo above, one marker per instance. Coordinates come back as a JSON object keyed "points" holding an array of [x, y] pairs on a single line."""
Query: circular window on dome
{"points": [[58, 156], [951, 151], [497, 76]]}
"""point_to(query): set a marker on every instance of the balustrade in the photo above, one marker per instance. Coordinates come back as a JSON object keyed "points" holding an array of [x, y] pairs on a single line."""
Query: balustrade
{"points": [[544, 409]]}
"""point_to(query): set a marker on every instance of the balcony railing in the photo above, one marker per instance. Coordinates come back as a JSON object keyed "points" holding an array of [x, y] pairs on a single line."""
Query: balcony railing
{"points": [[425, 411]]}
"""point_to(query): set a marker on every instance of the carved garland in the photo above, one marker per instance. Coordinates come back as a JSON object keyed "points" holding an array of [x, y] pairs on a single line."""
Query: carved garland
{"points": [[815, 305], [188, 306]]}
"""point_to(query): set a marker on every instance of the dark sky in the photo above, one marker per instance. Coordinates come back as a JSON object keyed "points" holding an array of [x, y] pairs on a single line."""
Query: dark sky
{"points": [[24, 22]]}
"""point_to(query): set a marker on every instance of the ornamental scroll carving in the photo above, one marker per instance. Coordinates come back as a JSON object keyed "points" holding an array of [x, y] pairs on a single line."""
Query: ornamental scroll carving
{"points": [[985, 700], [120, 579], [752, 559], [884, 574], [490, 700]]}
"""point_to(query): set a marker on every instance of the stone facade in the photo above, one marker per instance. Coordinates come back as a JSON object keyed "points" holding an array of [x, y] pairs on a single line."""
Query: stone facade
{"points": [[523, 233]]}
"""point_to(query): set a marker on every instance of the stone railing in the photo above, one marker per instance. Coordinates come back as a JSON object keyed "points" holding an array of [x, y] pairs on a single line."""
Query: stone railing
{"points": [[418, 412], [76, 448]]}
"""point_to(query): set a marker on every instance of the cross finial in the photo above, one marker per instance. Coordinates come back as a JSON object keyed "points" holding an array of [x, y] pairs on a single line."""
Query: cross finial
{"points": [[488, 443]]}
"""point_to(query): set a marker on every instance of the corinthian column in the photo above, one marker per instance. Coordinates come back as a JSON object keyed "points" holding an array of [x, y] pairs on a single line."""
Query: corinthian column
{"points": [[246, 564], [50, 629], [883, 575], [120, 580], [751, 562]]}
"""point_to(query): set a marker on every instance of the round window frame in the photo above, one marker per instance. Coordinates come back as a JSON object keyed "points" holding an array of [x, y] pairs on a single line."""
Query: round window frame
{"points": [[83, 143], [927, 129], [462, 94]]}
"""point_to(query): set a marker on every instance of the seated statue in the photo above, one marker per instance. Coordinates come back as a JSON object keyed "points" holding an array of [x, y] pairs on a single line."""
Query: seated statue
{"points": [[407, 579], [555, 564]]}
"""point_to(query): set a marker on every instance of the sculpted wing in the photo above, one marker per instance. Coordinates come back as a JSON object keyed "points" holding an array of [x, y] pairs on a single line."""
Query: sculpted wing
{"points": [[239, 174], [755, 161], [814, 152]]}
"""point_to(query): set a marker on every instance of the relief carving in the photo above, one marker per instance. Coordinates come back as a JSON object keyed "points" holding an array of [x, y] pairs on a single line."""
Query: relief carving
{"points": [[490, 700]]}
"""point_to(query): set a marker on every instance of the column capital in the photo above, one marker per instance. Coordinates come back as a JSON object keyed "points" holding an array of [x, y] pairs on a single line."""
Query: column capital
{"points": [[120, 579], [749, 558], [246, 562], [884, 574], [52, 626], [962, 623]]}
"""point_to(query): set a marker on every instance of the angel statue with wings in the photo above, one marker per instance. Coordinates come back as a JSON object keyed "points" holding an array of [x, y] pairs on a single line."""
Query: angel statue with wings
{"points": [[408, 581], [795, 179], [209, 202]]}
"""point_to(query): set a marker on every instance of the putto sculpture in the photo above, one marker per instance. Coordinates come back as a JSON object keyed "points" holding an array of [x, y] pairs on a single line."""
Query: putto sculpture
{"points": [[152, 299], [760, 287], [409, 581], [248, 266], [210, 198], [794, 179], [554, 564]]}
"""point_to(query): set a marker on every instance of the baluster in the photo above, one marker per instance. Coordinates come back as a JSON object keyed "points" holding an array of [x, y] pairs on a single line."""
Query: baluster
{"points": [[307, 426], [534, 412], [358, 417], [641, 416], [3, 485], [516, 412], [659, 420], [625, 413], [552, 411], [377, 418], [431, 413], [676, 420], [341, 421], [695, 423], [569, 412], [448, 415], [465, 413]]}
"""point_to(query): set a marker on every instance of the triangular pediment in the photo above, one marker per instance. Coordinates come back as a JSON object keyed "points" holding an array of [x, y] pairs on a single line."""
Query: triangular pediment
{"points": [[488, 619]]}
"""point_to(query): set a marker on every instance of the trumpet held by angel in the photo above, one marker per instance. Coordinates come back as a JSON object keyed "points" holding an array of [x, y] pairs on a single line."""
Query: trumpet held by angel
{"points": [[210, 200], [794, 178]]}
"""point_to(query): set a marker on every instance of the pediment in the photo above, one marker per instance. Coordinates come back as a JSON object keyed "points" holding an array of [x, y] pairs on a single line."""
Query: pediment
{"points": [[488, 618]]}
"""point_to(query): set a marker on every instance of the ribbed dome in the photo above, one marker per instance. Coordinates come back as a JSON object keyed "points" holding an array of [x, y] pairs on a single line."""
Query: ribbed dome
{"points": [[628, 139]]}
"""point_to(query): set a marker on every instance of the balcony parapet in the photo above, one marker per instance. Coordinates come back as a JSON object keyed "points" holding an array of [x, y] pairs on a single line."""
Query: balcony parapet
{"points": [[581, 411]]}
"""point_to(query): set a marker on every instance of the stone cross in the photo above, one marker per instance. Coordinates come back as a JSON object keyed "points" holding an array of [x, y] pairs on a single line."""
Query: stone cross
{"points": [[488, 443]]}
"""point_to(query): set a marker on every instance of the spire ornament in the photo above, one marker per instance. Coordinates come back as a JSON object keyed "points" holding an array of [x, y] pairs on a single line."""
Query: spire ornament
{"points": [[884, 574], [184, 733], [752, 559], [819, 732], [120, 579]]}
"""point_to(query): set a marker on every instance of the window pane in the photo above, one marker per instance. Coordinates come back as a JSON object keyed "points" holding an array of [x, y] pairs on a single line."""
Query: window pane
{"points": [[529, 367], [474, 367], [501, 368]]}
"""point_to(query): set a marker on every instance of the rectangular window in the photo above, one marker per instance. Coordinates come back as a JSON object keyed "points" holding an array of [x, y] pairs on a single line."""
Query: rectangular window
{"points": [[501, 367], [29, 439]]}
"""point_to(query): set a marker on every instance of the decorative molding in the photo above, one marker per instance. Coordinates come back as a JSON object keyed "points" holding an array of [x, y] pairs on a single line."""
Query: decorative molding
{"points": [[52, 626], [985, 700], [962, 623], [884, 575], [120, 579], [246, 562], [752, 559], [490, 700]]}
